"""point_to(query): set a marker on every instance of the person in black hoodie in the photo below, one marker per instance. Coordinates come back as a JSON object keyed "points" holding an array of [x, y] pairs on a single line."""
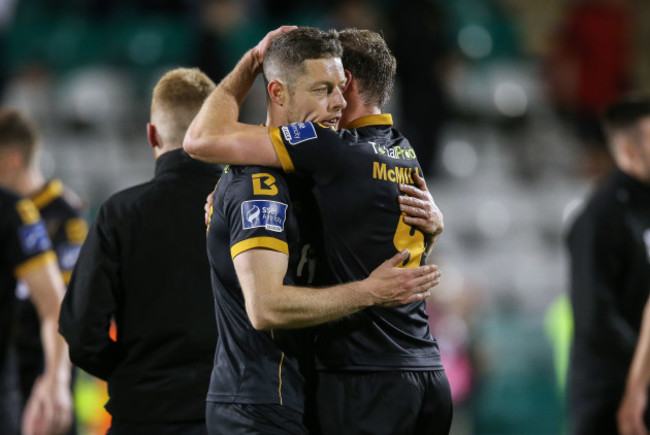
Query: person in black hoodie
{"points": [[609, 245], [144, 265]]}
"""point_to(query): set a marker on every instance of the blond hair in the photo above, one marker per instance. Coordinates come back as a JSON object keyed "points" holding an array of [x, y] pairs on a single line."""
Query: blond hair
{"points": [[176, 99]]}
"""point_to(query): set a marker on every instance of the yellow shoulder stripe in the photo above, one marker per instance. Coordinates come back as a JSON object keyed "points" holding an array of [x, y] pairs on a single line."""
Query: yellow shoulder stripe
{"points": [[76, 230], [52, 191], [364, 121], [281, 149], [27, 211], [34, 262], [259, 242]]}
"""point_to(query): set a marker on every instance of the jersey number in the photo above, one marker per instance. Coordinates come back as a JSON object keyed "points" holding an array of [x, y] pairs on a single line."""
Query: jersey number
{"points": [[405, 237], [269, 187]]}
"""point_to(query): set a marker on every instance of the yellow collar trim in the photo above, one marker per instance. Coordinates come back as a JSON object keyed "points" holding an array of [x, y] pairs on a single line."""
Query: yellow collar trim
{"points": [[52, 190], [364, 121]]}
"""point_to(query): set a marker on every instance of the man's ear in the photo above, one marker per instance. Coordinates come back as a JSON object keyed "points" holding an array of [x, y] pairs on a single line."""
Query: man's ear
{"points": [[277, 92], [348, 80], [152, 136], [628, 152]]}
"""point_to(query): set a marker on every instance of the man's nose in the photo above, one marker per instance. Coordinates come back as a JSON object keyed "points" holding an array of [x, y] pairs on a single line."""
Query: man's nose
{"points": [[337, 102]]}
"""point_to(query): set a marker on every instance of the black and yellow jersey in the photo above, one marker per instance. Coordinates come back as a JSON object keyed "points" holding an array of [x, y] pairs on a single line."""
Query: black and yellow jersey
{"points": [[252, 209], [356, 174], [61, 212], [24, 245]]}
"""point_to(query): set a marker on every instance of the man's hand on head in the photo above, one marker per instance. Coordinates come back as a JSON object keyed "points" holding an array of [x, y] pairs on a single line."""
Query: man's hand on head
{"points": [[259, 51]]}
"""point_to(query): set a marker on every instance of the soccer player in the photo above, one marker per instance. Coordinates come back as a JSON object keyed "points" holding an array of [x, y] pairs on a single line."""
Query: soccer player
{"points": [[257, 384], [380, 369], [144, 265], [25, 251], [60, 210], [609, 246]]}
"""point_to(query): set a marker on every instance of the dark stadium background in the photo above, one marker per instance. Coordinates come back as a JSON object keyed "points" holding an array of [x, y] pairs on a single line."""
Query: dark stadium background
{"points": [[500, 98]]}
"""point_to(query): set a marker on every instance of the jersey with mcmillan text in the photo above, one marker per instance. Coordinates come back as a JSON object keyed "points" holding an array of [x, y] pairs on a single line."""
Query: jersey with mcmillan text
{"points": [[356, 173]]}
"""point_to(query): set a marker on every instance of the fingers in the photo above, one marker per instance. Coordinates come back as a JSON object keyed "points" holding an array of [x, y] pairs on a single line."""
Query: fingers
{"points": [[413, 201], [260, 50], [420, 181], [283, 29], [425, 282], [397, 259], [38, 418], [416, 222], [417, 210], [412, 191], [62, 420]]}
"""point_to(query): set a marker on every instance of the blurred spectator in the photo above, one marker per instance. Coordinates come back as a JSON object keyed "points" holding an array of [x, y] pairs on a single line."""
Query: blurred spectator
{"points": [[609, 245], [60, 210]]}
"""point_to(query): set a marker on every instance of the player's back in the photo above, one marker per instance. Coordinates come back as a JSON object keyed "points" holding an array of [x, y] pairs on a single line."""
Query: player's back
{"points": [[148, 242], [356, 174]]}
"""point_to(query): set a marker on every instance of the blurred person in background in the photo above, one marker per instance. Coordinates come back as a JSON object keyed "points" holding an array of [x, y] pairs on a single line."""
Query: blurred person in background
{"points": [[144, 265], [379, 353], [59, 208], [609, 246], [25, 251], [631, 413]]}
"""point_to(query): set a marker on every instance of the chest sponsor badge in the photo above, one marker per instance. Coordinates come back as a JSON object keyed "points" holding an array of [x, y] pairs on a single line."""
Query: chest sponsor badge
{"points": [[34, 238], [298, 132], [264, 214]]}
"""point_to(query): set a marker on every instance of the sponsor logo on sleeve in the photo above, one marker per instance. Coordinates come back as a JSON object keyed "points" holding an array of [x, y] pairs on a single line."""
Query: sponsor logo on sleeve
{"points": [[264, 214], [298, 132], [33, 238]]}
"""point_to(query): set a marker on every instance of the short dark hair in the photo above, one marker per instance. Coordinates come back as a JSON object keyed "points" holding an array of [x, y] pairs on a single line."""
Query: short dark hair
{"points": [[371, 63], [288, 51], [19, 131], [624, 114]]}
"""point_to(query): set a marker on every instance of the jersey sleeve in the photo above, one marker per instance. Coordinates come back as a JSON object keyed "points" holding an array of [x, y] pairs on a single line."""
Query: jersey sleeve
{"points": [[257, 207], [67, 244], [29, 245], [309, 147]]}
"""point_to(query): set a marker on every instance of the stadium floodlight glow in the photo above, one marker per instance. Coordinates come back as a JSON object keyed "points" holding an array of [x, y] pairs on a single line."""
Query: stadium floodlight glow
{"points": [[510, 99], [475, 42]]}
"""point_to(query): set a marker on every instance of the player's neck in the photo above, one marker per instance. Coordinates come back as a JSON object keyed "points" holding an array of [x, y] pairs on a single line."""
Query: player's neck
{"points": [[29, 182], [356, 111], [275, 117]]}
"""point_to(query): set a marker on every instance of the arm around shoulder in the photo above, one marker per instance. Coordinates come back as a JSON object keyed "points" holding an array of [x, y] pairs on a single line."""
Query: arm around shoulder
{"points": [[271, 304]]}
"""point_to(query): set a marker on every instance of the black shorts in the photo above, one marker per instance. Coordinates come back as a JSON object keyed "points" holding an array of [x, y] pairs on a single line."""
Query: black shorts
{"points": [[408, 402], [119, 427], [242, 419]]}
